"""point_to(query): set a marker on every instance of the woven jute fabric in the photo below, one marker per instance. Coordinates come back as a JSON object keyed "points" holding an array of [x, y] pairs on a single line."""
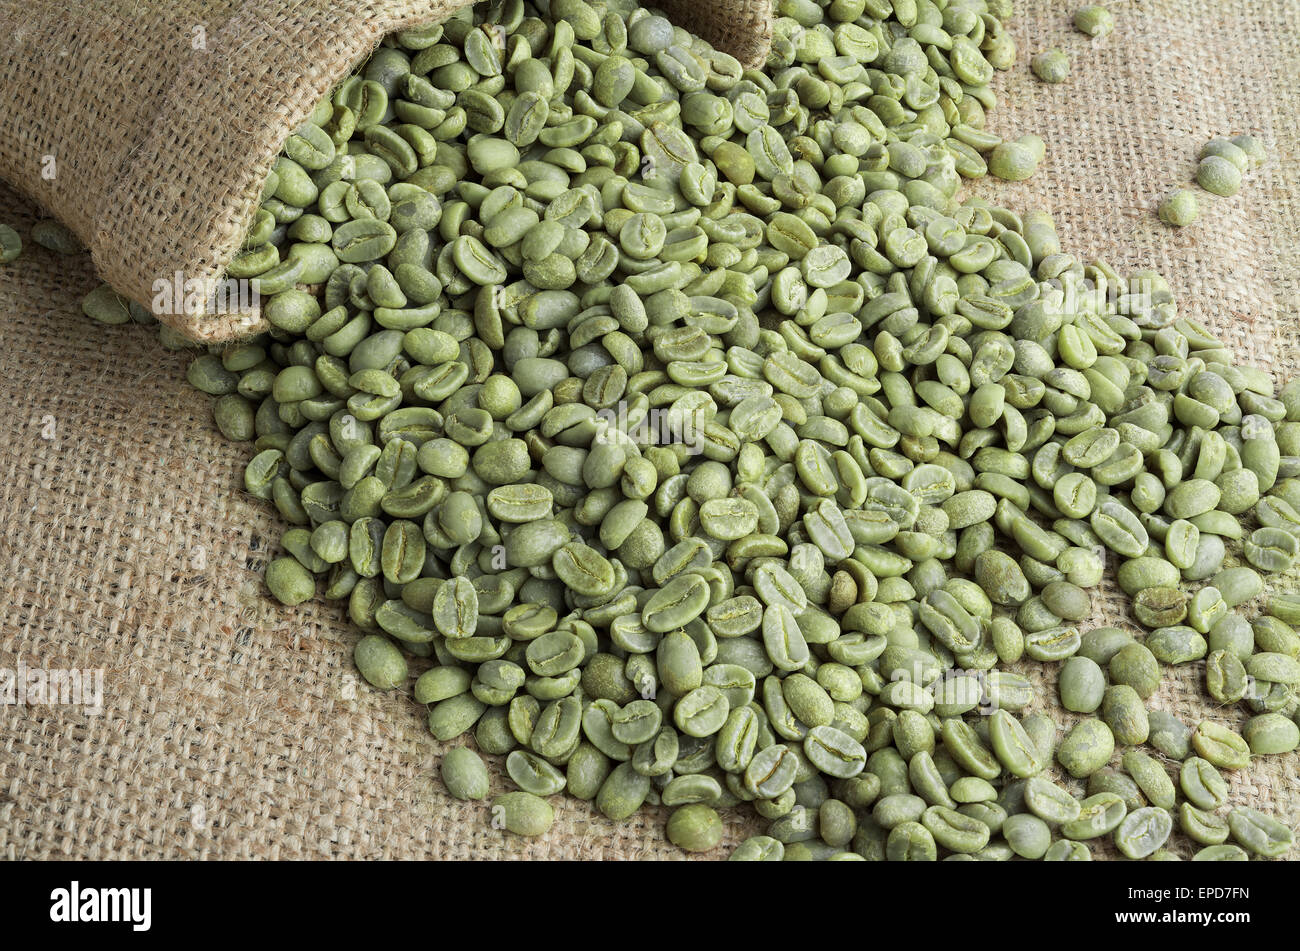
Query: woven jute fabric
{"points": [[149, 129], [233, 727]]}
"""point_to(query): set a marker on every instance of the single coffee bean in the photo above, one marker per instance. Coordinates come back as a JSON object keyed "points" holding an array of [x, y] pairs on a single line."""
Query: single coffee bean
{"points": [[1260, 834], [695, 828], [1143, 831], [522, 813], [464, 774], [1202, 784]]}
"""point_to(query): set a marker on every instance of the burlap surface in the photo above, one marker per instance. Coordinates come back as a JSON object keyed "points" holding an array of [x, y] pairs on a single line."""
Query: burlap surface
{"points": [[235, 728], [149, 129]]}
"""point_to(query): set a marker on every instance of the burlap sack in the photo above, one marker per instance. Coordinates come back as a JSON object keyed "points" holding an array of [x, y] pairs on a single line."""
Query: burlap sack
{"points": [[235, 728], [149, 130]]}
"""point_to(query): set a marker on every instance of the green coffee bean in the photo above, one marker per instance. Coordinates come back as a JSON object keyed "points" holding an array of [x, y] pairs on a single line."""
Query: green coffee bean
{"points": [[1270, 734], [1086, 748], [11, 245], [1050, 802], [102, 304], [1258, 833], [1220, 746], [1273, 668], [289, 581], [955, 831], [695, 828], [1051, 66], [1136, 667], [1102, 643], [1027, 835], [1099, 814], [759, 848], [1013, 162], [522, 813], [1238, 585], [1143, 831], [1225, 677], [1221, 853], [1179, 208], [450, 718], [834, 752], [910, 842], [464, 774], [622, 792], [1169, 735], [50, 234], [1094, 20], [771, 771], [439, 683], [380, 662], [1218, 175], [1202, 826], [1150, 777], [1176, 645], [1202, 784], [1064, 850], [1012, 745], [1123, 712]]}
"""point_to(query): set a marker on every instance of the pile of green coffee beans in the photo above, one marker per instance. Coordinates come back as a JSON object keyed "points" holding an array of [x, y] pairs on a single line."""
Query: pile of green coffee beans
{"points": [[713, 450]]}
